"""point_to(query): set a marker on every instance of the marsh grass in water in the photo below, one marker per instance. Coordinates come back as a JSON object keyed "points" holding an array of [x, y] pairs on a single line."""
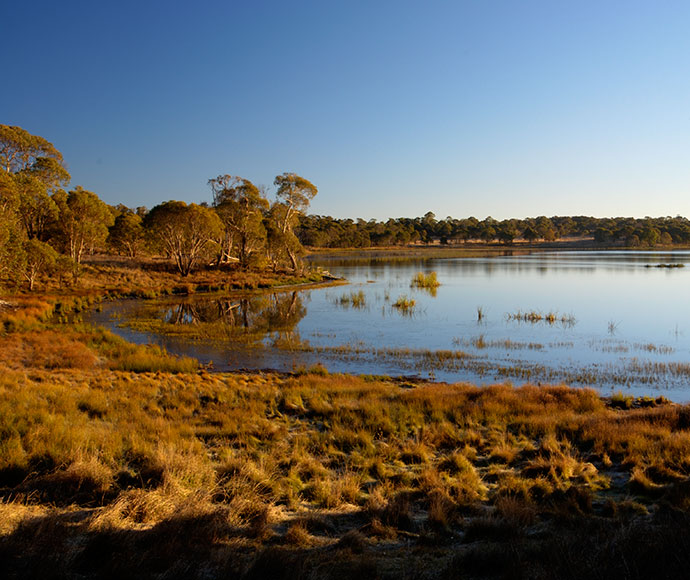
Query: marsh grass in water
{"points": [[355, 299], [428, 282], [480, 313], [404, 304], [479, 342], [536, 316]]}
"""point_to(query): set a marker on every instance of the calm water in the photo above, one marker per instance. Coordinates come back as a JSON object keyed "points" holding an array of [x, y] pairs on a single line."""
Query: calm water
{"points": [[621, 323]]}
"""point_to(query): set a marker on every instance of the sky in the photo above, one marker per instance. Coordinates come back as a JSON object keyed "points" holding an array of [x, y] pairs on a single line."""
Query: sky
{"points": [[391, 108]]}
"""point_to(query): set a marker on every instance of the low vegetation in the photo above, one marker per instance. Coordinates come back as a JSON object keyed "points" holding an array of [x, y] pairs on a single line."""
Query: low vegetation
{"points": [[122, 460], [534, 316], [426, 281], [110, 448], [355, 299], [404, 304]]}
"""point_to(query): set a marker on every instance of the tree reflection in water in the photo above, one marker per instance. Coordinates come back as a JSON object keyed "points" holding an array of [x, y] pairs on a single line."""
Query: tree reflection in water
{"points": [[252, 319]]}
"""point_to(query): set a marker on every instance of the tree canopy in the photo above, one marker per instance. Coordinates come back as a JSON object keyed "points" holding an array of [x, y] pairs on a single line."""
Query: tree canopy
{"points": [[83, 221], [187, 233], [241, 207], [293, 197]]}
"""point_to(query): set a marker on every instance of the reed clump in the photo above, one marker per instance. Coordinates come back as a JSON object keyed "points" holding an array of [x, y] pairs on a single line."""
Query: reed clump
{"points": [[426, 281], [405, 304], [354, 299], [535, 316]]}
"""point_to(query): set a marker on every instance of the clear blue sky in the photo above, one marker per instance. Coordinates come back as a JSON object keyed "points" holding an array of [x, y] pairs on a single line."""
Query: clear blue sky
{"points": [[391, 108]]}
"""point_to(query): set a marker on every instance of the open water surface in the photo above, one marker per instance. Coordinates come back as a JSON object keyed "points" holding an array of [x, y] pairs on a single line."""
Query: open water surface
{"points": [[620, 322]]}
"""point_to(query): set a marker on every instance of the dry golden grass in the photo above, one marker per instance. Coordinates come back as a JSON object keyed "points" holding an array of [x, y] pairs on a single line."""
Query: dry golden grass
{"points": [[222, 468]]}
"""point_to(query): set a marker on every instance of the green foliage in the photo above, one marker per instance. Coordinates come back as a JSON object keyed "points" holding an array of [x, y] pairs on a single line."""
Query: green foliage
{"points": [[37, 210], [83, 221], [325, 231], [31, 168], [241, 207], [126, 235], [188, 233], [293, 197], [355, 299], [21, 151], [40, 259]]}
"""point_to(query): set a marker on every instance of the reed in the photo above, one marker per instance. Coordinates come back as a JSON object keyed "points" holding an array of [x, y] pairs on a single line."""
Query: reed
{"points": [[535, 316], [353, 299], [405, 304], [427, 281]]}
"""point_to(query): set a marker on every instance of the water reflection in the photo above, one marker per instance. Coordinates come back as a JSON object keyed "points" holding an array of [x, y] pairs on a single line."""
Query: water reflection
{"points": [[513, 262], [603, 319], [253, 318]]}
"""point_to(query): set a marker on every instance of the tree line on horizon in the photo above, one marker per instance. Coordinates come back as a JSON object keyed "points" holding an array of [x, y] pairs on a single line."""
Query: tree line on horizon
{"points": [[45, 230], [329, 232]]}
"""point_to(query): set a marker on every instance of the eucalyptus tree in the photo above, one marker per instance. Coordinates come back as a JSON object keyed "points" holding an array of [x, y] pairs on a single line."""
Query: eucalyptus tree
{"points": [[241, 207], [126, 235], [187, 233], [31, 169], [22, 151], [11, 235], [38, 171], [40, 258], [294, 195], [83, 221]]}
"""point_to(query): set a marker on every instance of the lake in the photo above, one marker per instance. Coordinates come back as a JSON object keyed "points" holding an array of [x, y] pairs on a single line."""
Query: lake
{"points": [[614, 320]]}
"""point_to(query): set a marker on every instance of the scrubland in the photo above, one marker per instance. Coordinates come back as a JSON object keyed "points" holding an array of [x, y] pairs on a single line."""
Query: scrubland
{"points": [[152, 277], [123, 461]]}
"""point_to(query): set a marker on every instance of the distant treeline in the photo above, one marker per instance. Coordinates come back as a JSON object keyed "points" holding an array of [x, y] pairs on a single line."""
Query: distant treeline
{"points": [[46, 231], [328, 232]]}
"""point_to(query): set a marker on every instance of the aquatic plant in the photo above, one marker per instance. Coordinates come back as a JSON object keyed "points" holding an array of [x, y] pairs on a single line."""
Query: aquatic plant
{"points": [[534, 316], [427, 281], [480, 342], [405, 304], [354, 299], [480, 313]]}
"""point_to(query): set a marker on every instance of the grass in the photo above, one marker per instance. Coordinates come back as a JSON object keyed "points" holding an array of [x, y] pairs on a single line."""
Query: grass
{"points": [[237, 464], [354, 299], [404, 304], [155, 277], [427, 281], [535, 316], [110, 449], [480, 313], [480, 342]]}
